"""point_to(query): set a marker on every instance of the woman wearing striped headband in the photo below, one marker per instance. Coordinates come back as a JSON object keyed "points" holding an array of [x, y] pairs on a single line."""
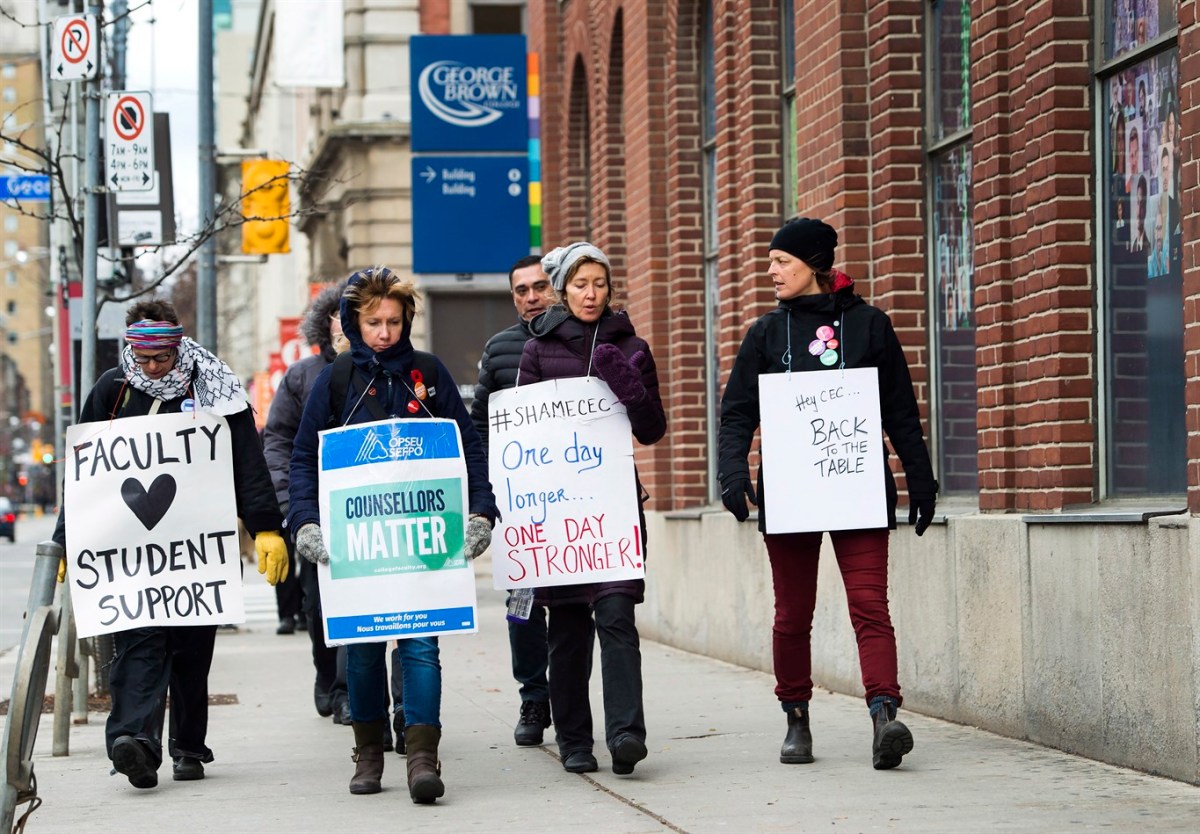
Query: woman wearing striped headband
{"points": [[162, 371]]}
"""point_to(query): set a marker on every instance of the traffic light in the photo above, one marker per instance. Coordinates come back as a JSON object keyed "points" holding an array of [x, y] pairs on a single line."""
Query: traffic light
{"points": [[265, 195]]}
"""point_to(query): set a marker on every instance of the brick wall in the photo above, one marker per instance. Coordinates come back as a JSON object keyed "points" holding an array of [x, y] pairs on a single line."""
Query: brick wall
{"points": [[633, 180], [435, 17]]}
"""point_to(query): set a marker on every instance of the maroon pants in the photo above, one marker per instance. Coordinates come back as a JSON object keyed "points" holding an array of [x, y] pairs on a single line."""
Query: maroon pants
{"points": [[862, 558]]}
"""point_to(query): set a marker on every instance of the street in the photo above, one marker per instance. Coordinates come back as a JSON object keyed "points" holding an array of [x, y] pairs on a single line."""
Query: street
{"points": [[16, 568], [714, 740]]}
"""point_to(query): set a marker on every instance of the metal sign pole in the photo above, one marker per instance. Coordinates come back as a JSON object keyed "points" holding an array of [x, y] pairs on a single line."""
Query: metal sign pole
{"points": [[91, 224], [206, 273]]}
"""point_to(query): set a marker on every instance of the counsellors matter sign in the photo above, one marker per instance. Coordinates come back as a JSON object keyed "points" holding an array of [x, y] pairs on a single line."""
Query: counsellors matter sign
{"points": [[468, 93], [393, 499]]}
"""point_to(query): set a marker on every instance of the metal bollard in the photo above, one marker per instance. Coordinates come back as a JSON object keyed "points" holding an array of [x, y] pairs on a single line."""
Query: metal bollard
{"points": [[79, 710], [65, 671]]}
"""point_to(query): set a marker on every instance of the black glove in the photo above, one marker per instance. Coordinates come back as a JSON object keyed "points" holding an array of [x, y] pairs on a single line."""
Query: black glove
{"points": [[735, 491], [920, 512]]}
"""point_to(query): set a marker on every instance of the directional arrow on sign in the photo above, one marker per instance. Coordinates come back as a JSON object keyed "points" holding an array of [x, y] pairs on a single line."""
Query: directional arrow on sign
{"points": [[429, 175]]}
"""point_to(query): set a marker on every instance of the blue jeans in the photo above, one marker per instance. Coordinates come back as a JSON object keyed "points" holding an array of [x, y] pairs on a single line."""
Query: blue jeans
{"points": [[366, 676]]}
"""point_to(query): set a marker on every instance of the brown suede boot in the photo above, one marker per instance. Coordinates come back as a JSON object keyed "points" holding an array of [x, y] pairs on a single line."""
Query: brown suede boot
{"points": [[424, 769], [368, 756]]}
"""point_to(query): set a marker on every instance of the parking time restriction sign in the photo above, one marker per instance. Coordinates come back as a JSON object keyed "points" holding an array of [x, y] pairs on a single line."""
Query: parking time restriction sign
{"points": [[129, 145]]}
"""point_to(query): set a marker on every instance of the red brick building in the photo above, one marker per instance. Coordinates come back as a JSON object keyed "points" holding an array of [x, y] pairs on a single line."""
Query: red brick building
{"points": [[664, 140], [1015, 182]]}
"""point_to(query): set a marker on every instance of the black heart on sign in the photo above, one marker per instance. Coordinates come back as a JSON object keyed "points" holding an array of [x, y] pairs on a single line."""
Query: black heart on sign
{"points": [[149, 505]]}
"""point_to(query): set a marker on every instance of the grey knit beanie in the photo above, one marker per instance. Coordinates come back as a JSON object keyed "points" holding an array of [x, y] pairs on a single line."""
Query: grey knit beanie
{"points": [[557, 263]]}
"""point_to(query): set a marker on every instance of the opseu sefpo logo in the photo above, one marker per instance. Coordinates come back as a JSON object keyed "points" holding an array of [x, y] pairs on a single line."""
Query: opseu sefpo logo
{"points": [[468, 96], [398, 447]]}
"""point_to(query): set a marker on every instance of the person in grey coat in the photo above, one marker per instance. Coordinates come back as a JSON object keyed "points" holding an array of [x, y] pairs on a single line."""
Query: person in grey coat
{"points": [[322, 330]]}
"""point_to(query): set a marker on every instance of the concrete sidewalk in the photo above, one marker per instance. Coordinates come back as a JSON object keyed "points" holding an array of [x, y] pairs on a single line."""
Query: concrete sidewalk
{"points": [[714, 735]]}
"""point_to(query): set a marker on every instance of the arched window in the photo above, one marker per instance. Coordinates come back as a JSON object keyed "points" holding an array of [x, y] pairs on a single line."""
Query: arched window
{"points": [[577, 219]]}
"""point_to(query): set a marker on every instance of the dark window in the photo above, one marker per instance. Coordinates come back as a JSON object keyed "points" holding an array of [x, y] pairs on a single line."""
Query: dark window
{"points": [[459, 326], [708, 121], [951, 246], [787, 59], [1141, 253], [506, 19]]}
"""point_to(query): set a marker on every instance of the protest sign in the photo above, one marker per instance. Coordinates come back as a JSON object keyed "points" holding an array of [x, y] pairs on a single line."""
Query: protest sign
{"points": [[822, 450], [152, 535], [561, 465], [393, 501]]}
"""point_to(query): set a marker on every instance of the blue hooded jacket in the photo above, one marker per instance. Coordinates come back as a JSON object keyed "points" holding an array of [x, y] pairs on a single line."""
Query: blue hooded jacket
{"points": [[390, 371]]}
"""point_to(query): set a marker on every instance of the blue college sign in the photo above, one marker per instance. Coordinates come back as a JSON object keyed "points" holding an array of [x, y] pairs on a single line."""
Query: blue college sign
{"points": [[470, 213], [468, 93], [26, 187]]}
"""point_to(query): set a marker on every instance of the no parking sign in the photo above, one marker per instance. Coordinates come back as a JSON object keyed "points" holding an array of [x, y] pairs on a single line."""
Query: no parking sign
{"points": [[74, 44], [129, 145]]}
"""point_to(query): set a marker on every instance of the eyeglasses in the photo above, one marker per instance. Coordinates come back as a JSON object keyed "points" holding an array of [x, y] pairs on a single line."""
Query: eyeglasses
{"points": [[157, 359]]}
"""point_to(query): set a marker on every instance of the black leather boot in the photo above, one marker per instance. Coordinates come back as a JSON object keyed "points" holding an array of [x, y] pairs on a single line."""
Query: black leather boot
{"points": [[893, 741], [797, 744]]}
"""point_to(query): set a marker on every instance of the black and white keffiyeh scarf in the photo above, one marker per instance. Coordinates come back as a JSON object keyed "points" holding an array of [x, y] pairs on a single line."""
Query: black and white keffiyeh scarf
{"points": [[197, 373]]}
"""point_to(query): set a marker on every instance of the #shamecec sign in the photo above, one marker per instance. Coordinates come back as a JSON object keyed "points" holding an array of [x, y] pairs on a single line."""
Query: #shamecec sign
{"points": [[393, 500], [822, 444], [139, 551], [561, 465]]}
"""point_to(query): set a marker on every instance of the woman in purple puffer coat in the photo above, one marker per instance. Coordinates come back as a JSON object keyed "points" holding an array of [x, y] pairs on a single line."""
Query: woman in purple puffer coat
{"points": [[579, 337]]}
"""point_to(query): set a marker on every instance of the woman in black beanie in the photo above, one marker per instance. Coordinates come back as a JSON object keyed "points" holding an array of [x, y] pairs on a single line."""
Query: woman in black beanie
{"points": [[816, 300]]}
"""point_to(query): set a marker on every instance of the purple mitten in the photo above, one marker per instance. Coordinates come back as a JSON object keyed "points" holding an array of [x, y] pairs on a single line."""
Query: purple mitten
{"points": [[624, 376]]}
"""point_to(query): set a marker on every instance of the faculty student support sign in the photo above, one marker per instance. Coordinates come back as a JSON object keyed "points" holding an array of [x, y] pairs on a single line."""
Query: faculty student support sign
{"points": [[393, 500], [822, 450], [561, 465], [139, 551]]}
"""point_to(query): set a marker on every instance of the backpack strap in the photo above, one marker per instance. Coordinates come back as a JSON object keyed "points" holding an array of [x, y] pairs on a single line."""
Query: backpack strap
{"points": [[339, 383], [339, 387]]}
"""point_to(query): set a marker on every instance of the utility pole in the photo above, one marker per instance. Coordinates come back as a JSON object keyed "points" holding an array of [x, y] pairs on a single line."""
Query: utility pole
{"points": [[91, 223], [58, 278], [120, 9], [206, 276]]}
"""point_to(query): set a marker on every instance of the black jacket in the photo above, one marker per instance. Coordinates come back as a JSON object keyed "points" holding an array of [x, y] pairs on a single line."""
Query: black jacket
{"points": [[256, 505], [497, 371], [867, 340]]}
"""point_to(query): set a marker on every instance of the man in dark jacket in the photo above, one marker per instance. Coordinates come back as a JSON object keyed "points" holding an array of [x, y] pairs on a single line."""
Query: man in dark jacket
{"points": [[322, 330], [532, 294]]}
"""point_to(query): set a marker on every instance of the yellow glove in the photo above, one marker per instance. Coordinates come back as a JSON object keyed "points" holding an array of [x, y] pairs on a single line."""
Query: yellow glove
{"points": [[272, 556], [62, 569]]}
